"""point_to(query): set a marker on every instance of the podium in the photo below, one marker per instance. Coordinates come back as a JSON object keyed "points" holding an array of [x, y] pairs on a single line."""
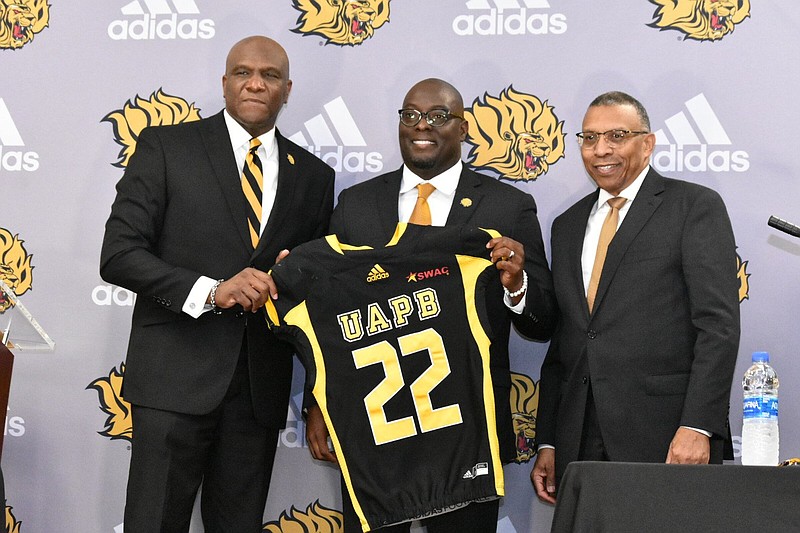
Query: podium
{"points": [[601, 497], [19, 332]]}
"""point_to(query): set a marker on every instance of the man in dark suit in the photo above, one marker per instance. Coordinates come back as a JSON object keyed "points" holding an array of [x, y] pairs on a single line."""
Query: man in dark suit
{"points": [[431, 131], [644, 374], [208, 383]]}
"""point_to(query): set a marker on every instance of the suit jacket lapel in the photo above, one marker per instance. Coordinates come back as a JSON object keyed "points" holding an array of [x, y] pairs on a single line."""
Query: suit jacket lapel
{"points": [[386, 200], [574, 236], [285, 193], [468, 196], [217, 143], [642, 208]]}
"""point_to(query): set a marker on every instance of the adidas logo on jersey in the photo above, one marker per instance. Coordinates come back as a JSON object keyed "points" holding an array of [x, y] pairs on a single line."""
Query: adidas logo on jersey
{"points": [[156, 19], [480, 469], [377, 272], [13, 159], [319, 134], [703, 130]]}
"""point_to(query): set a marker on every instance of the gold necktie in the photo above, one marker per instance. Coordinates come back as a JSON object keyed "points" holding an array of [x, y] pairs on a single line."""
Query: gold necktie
{"points": [[422, 211], [606, 234], [252, 186]]}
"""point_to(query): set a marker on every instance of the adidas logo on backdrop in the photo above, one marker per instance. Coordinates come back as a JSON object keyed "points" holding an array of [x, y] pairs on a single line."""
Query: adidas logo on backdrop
{"points": [[509, 17], [321, 137], [689, 150], [161, 19], [12, 160]]}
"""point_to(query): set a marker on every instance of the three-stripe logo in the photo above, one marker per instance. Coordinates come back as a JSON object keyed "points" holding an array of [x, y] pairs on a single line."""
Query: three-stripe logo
{"points": [[683, 143], [161, 19], [14, 160], [509, 17]]}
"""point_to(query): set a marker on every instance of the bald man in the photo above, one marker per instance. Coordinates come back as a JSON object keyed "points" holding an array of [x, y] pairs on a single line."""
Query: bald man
{"points": [[188, 233]]}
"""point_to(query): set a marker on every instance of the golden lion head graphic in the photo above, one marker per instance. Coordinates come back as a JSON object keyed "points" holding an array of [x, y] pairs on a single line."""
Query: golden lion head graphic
{"points": [[524, 402], [516, 135], [15, 267], [20, 21], [743, 275], [12, 524], [316, 519], [702, 20], [160, 110], [118, 423], [342, 22]]}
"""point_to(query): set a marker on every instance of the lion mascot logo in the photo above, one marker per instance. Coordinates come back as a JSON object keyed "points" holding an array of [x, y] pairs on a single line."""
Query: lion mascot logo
{"points": [[342, 22], [12, 524], [15, 267], [316, 519], [160, 110], [118, 424], [743, 275], [516, 135], [20, 21], [702, 20], [524, 402]]}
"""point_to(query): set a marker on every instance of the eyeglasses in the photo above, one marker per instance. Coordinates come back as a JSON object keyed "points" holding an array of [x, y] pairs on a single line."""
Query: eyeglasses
{"points": [[614, 138], [434, 117]]}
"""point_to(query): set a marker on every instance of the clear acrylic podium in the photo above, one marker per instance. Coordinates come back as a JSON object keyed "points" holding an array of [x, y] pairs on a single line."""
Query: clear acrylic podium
{"points": [[19, 332]]}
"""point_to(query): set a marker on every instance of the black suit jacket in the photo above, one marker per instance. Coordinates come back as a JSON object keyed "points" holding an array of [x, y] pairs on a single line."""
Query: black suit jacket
{"points": [[366, 214], [660, 348], [180, 213]]}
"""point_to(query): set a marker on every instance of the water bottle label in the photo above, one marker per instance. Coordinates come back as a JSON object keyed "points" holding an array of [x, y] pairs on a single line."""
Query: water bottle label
{"points": [[760, 407]]}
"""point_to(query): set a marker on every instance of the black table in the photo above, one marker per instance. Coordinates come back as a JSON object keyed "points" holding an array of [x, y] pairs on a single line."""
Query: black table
{"points": [[649, 498]]}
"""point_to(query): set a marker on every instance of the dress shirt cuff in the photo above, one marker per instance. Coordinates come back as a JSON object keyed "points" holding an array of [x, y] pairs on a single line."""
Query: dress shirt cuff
{"points": [[703, 431], [195, 304], [515, 308], [545, 447]]}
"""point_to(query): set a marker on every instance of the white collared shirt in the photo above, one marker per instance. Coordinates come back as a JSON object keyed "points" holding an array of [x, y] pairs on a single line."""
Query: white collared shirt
{"points": [[440, 201], [195, 304], [595, 223]]}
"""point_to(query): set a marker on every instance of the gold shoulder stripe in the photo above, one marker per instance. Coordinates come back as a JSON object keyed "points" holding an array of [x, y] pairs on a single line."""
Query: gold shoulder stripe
{"points": [[492, 232], [398, 234]]}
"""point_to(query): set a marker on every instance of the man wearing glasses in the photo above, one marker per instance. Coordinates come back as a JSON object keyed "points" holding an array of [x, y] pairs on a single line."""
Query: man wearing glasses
{"points": [[641, 364], [431, 130]]}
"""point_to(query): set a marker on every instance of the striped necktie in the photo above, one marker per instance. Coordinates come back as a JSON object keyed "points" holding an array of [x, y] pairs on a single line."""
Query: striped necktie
{"points": [[422, 212], [252, 186], [606, 235]]}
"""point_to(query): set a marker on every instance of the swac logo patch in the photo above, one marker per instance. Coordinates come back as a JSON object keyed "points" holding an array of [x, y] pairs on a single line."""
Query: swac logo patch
{"points": [[701, 20], [12, 525], [524, 403], [161, 109], [516, 135], [15, 267], [426, 274], [21, 20], [118, 424], [377, 273], [316, 519], [743, 275], [342, 22]]}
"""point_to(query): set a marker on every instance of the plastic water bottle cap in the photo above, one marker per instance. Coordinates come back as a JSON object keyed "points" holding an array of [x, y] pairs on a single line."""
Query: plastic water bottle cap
{"points": [[761, 357]]}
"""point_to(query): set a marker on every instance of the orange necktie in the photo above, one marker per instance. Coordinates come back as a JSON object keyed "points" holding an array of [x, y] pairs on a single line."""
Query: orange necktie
{"points": [[422, 211], [252, 186], [606, 234]]}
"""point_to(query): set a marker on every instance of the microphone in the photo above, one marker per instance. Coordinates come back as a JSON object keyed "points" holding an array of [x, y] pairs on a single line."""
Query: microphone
{"points": [[784, 226]]}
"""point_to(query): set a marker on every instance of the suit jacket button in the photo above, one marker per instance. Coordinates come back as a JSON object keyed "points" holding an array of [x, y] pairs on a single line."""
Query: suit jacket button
{"points": [[584, 380], [239, 314], [591, 334]]}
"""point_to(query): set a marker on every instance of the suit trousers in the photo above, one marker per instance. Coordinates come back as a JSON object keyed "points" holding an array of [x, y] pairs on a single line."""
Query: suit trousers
{"points": [[226, 450], [474, 518]]}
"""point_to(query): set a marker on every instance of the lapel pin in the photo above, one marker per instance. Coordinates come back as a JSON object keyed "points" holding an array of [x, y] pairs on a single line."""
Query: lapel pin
{"points": [[466, 202], [290, 158]]}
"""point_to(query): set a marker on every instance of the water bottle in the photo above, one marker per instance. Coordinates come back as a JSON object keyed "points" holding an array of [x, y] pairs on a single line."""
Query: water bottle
{"points": [[760, 424]]}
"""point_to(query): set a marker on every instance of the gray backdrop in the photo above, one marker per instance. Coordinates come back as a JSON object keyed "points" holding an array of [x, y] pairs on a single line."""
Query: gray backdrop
{"points": [[723, 104]]}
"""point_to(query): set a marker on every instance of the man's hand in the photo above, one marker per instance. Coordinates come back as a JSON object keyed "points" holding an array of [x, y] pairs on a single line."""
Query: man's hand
{"points": [[508, 256], [250, 288], [543, 475], [317, 436], [689, 447]]}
